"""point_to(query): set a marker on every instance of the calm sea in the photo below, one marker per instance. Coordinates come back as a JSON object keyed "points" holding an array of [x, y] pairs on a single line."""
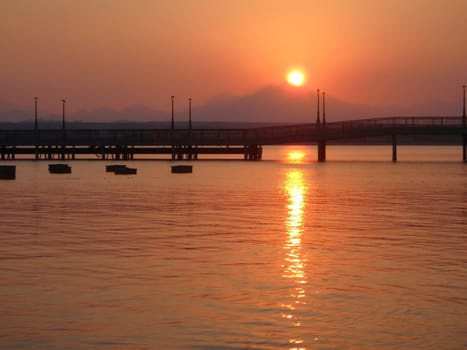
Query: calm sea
{"points": [[286, 253]]}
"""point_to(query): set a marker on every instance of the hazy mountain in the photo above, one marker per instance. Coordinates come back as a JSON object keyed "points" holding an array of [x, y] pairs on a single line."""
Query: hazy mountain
{"points": [[100, 115], [279, 104], [130, 113], [272, 104], [287, 104]]}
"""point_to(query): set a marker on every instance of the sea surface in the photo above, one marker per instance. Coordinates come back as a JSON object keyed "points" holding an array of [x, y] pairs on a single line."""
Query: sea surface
{"points": [[284, 253]]}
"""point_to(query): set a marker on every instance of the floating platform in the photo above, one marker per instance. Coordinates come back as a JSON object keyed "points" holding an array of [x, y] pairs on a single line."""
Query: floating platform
{"points": [[7, 172], [59, 169], [125, 171], [114, 167], [182, 169]]}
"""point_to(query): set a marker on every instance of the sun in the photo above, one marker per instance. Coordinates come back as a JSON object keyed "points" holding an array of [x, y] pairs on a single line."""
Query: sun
{"points": [[296, 78]]}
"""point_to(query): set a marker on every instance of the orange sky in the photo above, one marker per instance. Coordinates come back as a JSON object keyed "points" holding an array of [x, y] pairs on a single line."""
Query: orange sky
{"points": [[121, 52]]}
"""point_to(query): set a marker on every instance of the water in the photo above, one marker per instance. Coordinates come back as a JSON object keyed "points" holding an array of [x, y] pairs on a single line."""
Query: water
{"points": [[356, 253]]}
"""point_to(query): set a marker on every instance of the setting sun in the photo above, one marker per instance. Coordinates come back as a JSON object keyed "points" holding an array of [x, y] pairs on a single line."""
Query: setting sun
{"points": [[296, 78]]}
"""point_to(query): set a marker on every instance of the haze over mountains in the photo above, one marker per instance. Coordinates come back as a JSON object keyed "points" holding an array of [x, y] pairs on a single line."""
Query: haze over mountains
{"points": [[272, 104]]}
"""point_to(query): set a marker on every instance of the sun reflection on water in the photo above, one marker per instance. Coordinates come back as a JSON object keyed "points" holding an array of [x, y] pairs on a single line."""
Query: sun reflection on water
{"points": [[296, 157], [294, 266]]}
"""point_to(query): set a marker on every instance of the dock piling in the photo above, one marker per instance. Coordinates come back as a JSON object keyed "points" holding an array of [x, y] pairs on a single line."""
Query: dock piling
{"points": [[394, 148], [464, 148], [322, 151]]}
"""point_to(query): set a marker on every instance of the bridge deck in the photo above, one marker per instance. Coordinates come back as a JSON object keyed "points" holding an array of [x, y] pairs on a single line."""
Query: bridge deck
{"points": [[212, 139], [273, 135]]}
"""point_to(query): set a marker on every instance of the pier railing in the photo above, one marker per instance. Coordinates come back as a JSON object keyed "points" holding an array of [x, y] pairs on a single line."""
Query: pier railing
{"points": [[270, 135]]}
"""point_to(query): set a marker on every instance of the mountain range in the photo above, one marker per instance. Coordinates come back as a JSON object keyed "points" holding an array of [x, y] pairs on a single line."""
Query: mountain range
{"points": [[272, 104]]}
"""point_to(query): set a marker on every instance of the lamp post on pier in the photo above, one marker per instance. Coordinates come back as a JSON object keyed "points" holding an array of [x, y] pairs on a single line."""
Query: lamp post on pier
{"points": [[63, 114], [36, 136], [172, 125], [464, 137], [324, 108], [317, 111], [463, 107], [172, 129], [35, 113], [189, 113], [63, 150]]}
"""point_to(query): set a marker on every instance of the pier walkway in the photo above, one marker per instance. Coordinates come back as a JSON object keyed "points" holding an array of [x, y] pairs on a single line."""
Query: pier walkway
{"points": [[192, 143]]}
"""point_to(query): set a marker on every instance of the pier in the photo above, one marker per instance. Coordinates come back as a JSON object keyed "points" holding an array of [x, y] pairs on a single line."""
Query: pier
{"points": [[192, 144]]}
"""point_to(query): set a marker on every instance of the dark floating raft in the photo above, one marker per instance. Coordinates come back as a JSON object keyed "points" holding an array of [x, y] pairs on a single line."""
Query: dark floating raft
{"points": [[7, 172], [182, 169], [114, 167], [125, 171], [120, 169], [59, 169]]}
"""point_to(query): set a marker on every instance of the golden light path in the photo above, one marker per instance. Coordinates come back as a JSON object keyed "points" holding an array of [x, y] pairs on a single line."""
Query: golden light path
{"points": [[296, 157], [294, 266]]}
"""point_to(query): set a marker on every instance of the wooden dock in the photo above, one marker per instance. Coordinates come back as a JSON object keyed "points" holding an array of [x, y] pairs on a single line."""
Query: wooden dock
{"points": [[192, 144]]}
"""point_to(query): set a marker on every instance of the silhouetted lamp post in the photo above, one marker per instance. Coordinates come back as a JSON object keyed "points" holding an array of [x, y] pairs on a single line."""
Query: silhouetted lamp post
{"points": [[63, 114], [172, 129], [189, 113], [35, 113], [317, 115], [172, 125], [324, 108], [463, 107]]}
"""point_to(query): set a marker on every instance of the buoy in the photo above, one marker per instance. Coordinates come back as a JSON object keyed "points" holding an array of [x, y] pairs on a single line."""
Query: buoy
{"points": [[7, 172], [59, 169], [125, 171], [182, 169]]}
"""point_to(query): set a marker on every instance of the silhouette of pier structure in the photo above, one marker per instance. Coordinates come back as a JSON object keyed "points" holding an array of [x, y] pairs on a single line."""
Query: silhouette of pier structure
{"points": [[192, 144]]}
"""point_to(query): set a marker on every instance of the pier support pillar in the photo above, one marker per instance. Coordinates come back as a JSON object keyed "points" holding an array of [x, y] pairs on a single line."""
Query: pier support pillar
{"points": [[322, 151], [253, 152], [394, 148], [464, 148]]}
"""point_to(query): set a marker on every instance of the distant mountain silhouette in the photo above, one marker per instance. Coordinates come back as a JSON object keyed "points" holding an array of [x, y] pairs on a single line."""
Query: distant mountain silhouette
{"points": [[271, 104], [130, 113], [138, 113], [279, 104]]}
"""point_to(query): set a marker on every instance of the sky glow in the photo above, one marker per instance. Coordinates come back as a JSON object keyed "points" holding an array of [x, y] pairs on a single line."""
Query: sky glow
{"points": [[118, 53]]}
